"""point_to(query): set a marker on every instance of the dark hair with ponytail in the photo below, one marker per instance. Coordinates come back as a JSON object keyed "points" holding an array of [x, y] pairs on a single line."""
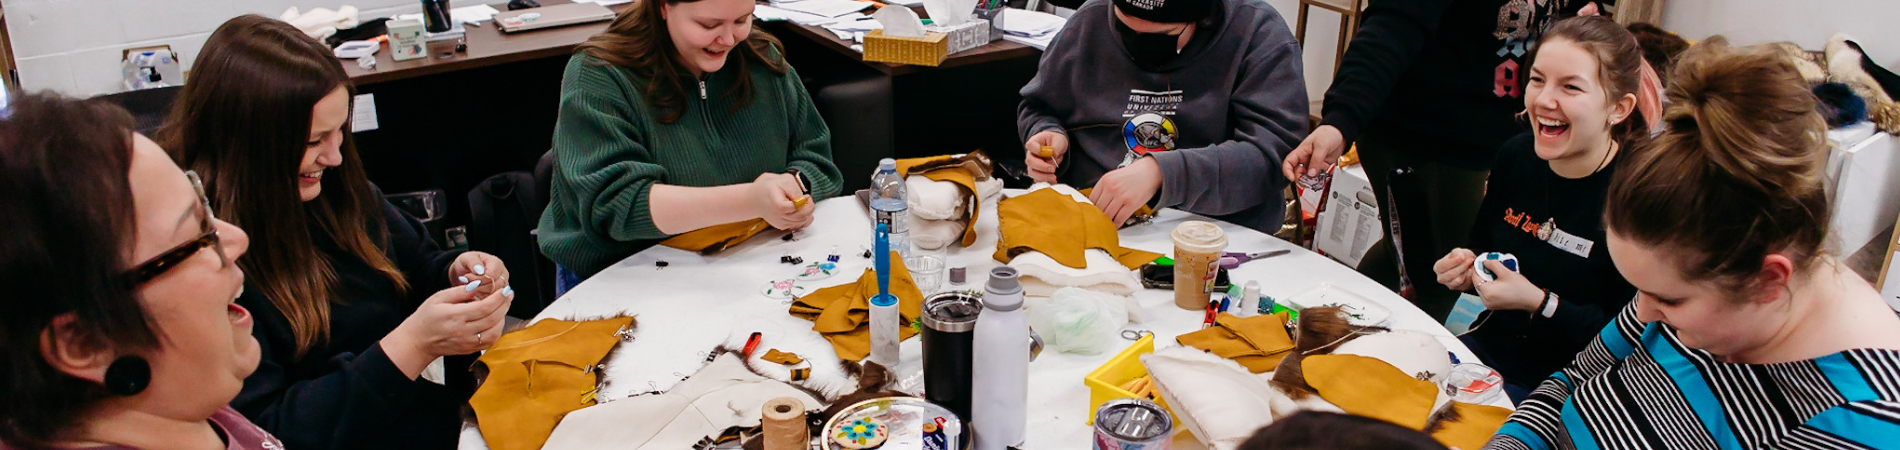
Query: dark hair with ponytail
{"points": [[1739, 175]]}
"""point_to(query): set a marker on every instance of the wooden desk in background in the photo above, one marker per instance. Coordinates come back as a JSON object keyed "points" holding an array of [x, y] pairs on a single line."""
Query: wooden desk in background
{"points": [[901, 111], [450, 123], [487, 46], [994, 51]]}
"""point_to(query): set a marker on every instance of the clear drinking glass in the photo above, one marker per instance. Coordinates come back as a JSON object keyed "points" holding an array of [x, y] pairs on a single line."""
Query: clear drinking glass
{"points": [[926, 268]]}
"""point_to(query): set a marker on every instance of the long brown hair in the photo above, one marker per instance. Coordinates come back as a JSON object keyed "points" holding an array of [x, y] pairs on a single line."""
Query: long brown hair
{"points": [[243, 122], [638, 41], [1619, 64], [1738, 175], [70, 224]]}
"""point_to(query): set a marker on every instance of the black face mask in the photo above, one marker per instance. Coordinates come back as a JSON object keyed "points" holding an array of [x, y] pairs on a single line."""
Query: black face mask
{"points": [[1150, 50]]}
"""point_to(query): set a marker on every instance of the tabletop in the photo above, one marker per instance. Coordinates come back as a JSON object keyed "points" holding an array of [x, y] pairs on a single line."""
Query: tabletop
{"points": [[488, 46], [697, 303], [993, 51]]}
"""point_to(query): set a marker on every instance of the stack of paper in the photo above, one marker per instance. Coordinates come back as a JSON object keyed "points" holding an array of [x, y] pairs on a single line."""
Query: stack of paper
{"points": [[1031, 23], [1031, 28], [472, 15], [825, 8], [859, 25], [769, 13]]}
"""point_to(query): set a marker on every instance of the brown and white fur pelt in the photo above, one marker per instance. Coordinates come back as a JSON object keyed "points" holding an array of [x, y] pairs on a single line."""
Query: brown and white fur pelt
{"points": [[1318, 331], [1843, 66], [1327, 330]]}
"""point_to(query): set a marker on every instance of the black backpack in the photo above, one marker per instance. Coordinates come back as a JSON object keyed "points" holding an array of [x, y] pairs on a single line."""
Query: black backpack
{"points": [[504, 211]]}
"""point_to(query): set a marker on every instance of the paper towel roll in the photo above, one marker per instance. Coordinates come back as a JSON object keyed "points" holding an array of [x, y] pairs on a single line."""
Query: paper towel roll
{"points": [[785, 428]]}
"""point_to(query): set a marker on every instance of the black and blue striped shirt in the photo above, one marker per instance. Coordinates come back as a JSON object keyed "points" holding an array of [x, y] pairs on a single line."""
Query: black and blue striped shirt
{"points": [[1638, 387]]}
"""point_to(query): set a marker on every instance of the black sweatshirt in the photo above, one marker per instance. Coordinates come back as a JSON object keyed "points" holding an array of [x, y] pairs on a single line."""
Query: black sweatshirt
{"points": [[1522, 196], [345, 392], [1445, 72]]}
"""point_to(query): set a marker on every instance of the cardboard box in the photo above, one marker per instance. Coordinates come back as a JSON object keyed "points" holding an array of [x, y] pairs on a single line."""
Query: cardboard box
{"points": [[1350, 224]]}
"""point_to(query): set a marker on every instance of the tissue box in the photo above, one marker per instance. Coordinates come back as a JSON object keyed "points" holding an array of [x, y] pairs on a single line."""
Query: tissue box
{"points": [[407, 40], [938, 43], [968, 35], [929, 50]]}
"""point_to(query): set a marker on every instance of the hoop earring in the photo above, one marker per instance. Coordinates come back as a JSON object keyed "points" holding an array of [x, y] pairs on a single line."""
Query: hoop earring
{"points": [[128, 376]]}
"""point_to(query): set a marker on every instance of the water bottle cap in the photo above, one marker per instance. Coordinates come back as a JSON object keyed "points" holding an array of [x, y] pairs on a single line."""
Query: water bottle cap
{"points": [[1004, 292], [887, 164]]}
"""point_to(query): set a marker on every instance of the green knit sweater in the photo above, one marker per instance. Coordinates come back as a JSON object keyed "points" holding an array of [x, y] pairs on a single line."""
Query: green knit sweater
{"points": [[610, 149]]}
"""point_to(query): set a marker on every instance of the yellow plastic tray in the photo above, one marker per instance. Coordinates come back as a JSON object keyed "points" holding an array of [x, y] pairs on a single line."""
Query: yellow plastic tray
{"points": [[1105, 382]]}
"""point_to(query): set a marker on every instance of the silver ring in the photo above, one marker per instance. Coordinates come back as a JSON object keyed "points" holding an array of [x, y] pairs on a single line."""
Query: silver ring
{"points": [[478, 337]]}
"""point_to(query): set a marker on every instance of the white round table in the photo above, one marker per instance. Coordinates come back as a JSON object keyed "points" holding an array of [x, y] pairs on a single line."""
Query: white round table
{"points": [[697, 303]]}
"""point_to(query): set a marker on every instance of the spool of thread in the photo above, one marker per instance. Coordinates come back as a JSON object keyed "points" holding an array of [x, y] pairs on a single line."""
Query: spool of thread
{"points": [[785, 428]]}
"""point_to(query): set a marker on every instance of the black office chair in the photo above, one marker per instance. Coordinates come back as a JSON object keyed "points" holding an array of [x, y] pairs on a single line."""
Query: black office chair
{"points": [[858, 110], [504, 211], [148, 106]]}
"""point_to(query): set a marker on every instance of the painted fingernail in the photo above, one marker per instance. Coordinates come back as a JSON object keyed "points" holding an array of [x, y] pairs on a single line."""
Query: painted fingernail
{"points": [[463, 278], [479, 270], [471, 286], [508, 291]]}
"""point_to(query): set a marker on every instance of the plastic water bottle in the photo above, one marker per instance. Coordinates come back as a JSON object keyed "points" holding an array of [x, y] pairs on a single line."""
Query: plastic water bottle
{"points": [[887, 200], [999, 409]]}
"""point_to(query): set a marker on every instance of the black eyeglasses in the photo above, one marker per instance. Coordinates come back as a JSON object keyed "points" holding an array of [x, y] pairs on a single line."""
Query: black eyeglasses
{"points": [[158, 265]]}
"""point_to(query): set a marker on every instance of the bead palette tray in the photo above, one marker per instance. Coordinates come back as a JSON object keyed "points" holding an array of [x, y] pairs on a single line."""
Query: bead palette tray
{"points": [[905, 420]]}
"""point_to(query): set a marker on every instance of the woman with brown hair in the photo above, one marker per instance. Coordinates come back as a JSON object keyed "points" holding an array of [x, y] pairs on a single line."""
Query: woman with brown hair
{"points": [[118, 330], [340, 279], [1745, 333], [1543, 205], [680, 117]]}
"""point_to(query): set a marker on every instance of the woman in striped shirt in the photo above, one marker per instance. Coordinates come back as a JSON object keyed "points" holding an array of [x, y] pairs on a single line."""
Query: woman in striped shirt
{"points": [[1744, 332]]}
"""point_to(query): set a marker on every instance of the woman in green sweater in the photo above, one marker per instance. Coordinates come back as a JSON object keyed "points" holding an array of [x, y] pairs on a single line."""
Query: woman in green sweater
{"points": [[681, 116]]}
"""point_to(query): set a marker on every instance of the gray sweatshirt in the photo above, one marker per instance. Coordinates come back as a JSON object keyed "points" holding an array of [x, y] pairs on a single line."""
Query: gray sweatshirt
{"points": [[1218, 119]]}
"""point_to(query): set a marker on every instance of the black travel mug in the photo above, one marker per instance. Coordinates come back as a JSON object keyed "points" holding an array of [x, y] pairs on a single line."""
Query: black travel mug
{"points": [[435, 16], [949, 327]]}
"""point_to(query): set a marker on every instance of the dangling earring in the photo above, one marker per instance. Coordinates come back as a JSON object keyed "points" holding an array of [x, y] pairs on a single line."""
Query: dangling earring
{"points": [[128, 376]]}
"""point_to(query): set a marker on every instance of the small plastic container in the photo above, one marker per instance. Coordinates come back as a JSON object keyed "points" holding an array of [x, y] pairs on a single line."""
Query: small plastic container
{"points": [[1106, 381], [1475, 383]]}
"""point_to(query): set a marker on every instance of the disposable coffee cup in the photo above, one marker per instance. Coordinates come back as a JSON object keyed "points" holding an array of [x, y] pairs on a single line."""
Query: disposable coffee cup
{"points": [[1197, 252]]}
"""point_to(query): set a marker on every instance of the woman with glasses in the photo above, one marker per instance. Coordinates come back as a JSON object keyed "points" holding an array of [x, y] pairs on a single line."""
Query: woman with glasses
{"points": [[340, 279], [119, 328]]}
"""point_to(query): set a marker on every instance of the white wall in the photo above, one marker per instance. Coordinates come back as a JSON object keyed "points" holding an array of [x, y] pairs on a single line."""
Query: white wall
{"points": [[1808, 23], [73, 46], [1322, 31]]}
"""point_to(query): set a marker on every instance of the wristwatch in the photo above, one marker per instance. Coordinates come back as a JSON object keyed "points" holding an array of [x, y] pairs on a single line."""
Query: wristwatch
{"points": [[804, 185], [1549, 307]]}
